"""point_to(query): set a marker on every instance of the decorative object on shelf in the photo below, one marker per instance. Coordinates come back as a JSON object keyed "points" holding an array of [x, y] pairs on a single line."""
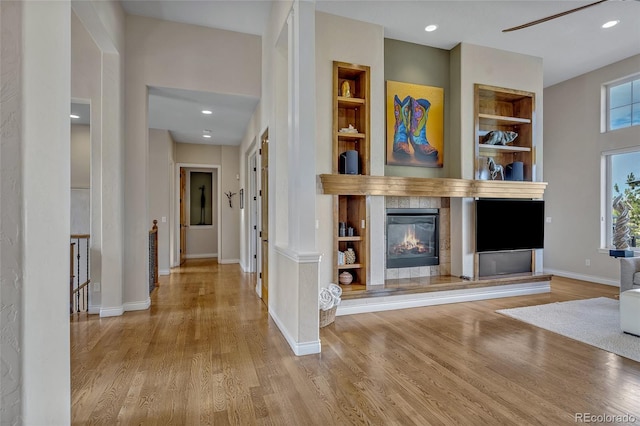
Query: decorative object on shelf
{"points": [[415, 122], [494, 169], [350, 256], [328, 303], [345, 89], [621, 234], [350, 231], [229, 195], [349, 129], [345, 278], [342, 229], [348, 164], [515, 171], [341, 258], [499, 137]]}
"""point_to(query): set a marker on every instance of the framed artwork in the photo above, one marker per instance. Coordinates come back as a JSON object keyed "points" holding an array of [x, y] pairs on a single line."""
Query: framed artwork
{"points": [[201, 208], [415, 125], [242, 198]]}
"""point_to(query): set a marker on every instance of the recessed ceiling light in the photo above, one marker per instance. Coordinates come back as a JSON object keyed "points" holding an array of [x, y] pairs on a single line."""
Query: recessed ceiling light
{"points": [[430, 28], [206, 136], [74, 116], [207, 111], [610, 24]]}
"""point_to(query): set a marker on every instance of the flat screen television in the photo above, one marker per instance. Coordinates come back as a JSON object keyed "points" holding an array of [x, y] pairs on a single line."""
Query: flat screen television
{"points": [[506, 224]]}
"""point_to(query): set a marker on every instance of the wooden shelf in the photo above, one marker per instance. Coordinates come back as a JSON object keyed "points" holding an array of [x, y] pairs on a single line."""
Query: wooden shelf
{"points": [[351, 266], [429, 187], [502, 120], [506, 110], [349, 239], [351, 209], [349, 102], [345, 135], [504, 147]]}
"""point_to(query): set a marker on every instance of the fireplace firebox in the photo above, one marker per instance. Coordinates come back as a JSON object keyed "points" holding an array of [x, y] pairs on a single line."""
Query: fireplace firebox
{"points": [[412, 238]]}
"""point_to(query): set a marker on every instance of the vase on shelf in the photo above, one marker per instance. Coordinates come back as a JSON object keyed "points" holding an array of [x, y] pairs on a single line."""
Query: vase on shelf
{"points": [[345, 278], [350, 256]]}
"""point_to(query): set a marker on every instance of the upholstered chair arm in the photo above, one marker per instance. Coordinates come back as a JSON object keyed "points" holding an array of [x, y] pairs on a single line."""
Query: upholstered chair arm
{"points": [[628, 267]]}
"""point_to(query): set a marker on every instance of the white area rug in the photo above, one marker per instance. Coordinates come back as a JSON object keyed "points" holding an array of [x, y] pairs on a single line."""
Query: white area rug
{"points": [[592, 321]]}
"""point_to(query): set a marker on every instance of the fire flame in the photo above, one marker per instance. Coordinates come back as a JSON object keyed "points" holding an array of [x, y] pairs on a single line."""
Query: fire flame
{"points": [[410, 241]]}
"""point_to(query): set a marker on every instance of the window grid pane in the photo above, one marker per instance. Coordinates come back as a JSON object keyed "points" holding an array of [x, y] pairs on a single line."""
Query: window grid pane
{"points": [[620, 95], [624, 166], [620, 117]]}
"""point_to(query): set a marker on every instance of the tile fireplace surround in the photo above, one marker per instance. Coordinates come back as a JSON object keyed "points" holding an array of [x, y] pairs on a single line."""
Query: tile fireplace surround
{"points": [[441, 203]]}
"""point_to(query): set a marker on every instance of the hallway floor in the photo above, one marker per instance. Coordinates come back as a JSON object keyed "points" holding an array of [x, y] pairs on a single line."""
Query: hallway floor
{"points": [[207, 353]]}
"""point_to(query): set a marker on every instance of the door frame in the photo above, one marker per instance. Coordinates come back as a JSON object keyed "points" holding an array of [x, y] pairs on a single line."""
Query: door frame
{"points": [[252, 181], [175, 261]]}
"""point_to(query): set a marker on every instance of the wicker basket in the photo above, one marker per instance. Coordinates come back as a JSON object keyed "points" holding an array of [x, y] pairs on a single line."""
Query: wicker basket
{"points": [[328, 316]]}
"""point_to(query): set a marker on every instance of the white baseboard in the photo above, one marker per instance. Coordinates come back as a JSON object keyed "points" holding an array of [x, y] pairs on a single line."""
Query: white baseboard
{"points": [[416, 300], [137, 306], [582, 277], [228, 261], [111, 312], [300, 349], [94, 309], [201, 256], [164, 271]]}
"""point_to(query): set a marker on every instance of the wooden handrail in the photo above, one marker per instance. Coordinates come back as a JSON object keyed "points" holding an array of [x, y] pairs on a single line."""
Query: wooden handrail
{"points": [[153, 256], [80, 236]]}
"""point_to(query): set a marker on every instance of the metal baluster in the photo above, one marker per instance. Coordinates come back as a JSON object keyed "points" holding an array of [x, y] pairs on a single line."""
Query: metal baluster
{"points": [[86, 304], [78, 279]]}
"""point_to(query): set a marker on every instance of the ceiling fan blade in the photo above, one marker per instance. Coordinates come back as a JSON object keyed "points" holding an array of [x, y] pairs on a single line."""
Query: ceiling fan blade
{"points": [[548, 18]]}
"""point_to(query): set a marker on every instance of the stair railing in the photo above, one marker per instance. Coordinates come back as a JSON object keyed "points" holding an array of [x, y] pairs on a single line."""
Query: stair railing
{"points": [[79, 277]]}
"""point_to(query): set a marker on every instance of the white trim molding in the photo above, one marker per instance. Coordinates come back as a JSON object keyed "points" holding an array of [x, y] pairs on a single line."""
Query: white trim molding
{"points": [[164, 272], [202, 256], [228, 261], [116, 311], [298, 257], [137, 306], [582, 277], [416, 300], [299, 349]]}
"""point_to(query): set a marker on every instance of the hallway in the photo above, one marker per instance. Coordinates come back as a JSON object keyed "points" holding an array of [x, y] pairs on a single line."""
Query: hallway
{"points": [[206, 353]]}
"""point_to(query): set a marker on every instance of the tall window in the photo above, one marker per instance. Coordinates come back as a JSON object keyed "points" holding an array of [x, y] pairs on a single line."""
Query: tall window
{"points": [[623, 104], [623, 178]]}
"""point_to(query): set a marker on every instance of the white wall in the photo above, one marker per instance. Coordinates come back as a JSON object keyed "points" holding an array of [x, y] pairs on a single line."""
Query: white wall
{"points": [[161, 184], [573, 148], [168, 54], [34, 212], [97, 76]]}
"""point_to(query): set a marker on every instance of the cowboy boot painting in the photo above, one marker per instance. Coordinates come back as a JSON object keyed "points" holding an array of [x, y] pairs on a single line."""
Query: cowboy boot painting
{"points": [[400, 136], [418, 130]]}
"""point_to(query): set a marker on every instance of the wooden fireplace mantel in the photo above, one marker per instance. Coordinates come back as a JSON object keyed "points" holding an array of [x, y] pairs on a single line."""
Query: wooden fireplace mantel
{"points": [[340, 184]]}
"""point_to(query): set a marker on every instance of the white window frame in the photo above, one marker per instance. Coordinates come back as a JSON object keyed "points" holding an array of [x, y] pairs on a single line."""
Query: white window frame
{"points": [[607, 91], [606, 191]]}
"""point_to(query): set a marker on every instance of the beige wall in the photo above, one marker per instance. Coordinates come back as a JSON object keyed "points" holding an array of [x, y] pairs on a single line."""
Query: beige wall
{"points": [[161, 183], [573, 148], [168, 54], [227, 158], [366, 47], [470, 64]]}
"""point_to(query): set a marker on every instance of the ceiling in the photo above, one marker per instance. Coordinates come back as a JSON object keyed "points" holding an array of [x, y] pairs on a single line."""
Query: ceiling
{"points": [[569, 46]]}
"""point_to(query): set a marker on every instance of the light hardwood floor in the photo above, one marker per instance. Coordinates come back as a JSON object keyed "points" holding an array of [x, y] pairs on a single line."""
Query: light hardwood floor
{"points": [[207, 353]]}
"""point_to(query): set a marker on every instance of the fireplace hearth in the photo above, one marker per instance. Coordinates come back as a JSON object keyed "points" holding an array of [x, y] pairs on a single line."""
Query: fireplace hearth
{"points": [[412, 238]]}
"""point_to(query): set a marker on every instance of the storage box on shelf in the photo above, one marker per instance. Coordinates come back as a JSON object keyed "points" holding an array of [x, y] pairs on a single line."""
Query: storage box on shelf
{"points": [[504, 110], [351, 133]]}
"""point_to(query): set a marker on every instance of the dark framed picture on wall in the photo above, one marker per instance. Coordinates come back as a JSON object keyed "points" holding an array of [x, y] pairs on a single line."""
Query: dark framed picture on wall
{"points": [[241, 198], [415, 125]]}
